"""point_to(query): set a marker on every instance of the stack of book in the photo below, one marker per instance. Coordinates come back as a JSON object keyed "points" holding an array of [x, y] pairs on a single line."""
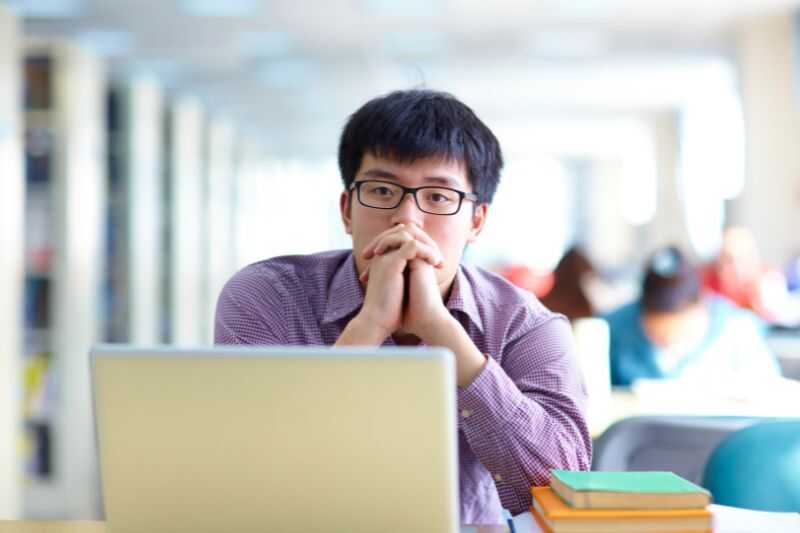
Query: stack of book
{"points": [[621, 502]]}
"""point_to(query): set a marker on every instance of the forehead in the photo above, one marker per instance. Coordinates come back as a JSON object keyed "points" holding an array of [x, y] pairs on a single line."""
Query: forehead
{"points": [[435, 170]]}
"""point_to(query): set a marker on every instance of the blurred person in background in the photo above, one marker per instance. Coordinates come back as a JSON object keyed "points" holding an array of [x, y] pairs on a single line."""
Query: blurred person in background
{"points": [[674, 331], [740, 275], [568, 294]]}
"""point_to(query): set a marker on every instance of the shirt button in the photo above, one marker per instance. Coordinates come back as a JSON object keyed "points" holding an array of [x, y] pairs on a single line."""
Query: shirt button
{"points": [[465, 413], [498, 477]]}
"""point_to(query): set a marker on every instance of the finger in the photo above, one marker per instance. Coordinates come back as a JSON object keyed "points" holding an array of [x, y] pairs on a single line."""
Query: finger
{"points": [[392, 242], [364, 277], [369, 250], [416, 250], [419, 234]]}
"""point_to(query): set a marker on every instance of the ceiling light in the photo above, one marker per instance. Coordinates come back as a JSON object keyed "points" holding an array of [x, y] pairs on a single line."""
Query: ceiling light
{"points": [[107, 43], [414, 43], [264, 44], [221, 8], [577, 44], [287, 74], [405, 8], [46, 8]]}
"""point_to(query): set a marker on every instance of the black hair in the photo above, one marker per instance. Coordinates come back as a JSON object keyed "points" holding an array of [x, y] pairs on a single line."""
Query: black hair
{"points": [[407, 126], [671, 282]]}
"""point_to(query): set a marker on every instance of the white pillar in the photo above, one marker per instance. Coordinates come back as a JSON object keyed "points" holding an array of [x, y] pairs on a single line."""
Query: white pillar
{"points": [[770, 203], [143, 130], [187, 279], [220, 245], [252, 194], [79, 207], [609, 239], [12, 217], [669, 225]]}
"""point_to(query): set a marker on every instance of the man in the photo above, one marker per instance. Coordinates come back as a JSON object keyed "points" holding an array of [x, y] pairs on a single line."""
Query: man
{"points": [[419, 171], [676, 332]]}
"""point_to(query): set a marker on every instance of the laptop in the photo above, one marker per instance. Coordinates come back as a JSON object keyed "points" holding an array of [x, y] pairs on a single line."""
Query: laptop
{"points": [[276, 439]]}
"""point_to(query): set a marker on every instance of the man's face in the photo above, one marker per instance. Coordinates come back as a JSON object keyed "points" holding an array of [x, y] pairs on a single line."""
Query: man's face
{"points": [[677, 328], [450, 232]]}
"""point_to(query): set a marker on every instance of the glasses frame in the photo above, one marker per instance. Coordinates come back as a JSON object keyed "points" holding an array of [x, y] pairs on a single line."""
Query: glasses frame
{"points": [[413, 192]]}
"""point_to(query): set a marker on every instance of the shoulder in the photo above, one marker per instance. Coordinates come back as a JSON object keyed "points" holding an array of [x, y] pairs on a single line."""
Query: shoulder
{"points": [[494, 290], [726, 315], [625, 330], [506, 308], [286, 275], [623, 316]]}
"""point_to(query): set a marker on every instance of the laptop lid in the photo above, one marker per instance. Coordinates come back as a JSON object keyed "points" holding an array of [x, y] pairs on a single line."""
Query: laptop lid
{"points": [[276, 439]]}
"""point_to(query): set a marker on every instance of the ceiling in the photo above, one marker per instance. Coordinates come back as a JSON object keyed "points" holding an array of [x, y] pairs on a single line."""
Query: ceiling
{"points": [[289, 71]]}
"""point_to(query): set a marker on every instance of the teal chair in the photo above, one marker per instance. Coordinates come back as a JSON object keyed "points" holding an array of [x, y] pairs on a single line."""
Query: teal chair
{"points": [[757, 467]]}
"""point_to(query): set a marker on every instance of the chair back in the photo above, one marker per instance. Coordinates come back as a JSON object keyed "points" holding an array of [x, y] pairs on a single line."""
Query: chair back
{"points": [[680, 444], [757, 467]]}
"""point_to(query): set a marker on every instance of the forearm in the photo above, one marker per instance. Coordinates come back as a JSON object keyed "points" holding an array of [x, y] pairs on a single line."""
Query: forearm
{"points": [[520, 436], [469, 359], [361, 332]]}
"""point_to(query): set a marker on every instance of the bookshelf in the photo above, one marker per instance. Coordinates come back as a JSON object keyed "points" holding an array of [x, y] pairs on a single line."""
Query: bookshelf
{"points": [[135, 216], [12, 191], [64, 206], [134, 239]]}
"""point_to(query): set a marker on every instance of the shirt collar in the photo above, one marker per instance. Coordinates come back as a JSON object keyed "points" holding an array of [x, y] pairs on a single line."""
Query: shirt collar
{"points": [[345, 295], [462, 298]]}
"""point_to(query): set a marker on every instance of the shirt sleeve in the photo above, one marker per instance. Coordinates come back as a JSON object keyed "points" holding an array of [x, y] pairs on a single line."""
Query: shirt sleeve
{"points": [[525, 415], [249, 312]]}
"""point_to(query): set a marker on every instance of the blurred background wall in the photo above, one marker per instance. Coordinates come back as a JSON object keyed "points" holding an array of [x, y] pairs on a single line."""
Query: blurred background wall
{"points": [[149, 149]]}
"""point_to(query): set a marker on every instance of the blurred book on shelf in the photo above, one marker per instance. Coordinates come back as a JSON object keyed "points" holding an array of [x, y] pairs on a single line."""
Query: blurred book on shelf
{"points": [[38, 70]]}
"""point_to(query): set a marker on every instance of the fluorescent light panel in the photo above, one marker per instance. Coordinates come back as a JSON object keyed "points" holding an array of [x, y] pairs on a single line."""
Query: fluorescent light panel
{"points": [[107, 42], [221, 8], [264, 44], [404, 8], [46, 8], [287, 73], [416, 43], [577, 44]]}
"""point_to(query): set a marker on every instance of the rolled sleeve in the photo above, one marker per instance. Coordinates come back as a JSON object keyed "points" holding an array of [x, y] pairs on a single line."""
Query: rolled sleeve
{"points": [[523, 415]]}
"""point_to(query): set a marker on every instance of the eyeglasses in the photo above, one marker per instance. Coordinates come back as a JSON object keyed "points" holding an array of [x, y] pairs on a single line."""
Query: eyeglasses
{"points": [[379, 194]]}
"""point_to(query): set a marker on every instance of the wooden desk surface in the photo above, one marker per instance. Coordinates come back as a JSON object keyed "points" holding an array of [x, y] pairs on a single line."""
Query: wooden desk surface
{"points": [[778, 398], [34, 526], [42, 526]]}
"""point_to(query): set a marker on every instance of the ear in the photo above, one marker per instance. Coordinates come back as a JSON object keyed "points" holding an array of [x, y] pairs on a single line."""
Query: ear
{"points": [[478, 220], [345, 210]]}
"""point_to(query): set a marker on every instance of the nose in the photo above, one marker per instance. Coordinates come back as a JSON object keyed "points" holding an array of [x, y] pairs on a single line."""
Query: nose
{"points": [[407, 212]]}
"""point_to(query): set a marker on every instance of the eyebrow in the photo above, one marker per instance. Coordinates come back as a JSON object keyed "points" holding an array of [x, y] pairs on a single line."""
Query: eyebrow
{"points": [[385, 174]]}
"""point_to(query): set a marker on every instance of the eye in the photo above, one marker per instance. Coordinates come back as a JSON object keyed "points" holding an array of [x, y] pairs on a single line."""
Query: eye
{"points": [[380, 190], [439, 197]]}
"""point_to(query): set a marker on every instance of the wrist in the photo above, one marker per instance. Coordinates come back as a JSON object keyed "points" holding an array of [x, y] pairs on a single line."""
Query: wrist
{"points": [[361, 331], [439, 330]]}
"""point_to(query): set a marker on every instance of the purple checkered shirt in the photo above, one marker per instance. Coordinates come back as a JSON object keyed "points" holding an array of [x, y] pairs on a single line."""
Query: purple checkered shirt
{"points": [[520, 417]]}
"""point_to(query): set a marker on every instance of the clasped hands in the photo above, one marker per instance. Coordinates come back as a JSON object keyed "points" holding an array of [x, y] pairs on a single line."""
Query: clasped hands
{"points": [[402, 293]]}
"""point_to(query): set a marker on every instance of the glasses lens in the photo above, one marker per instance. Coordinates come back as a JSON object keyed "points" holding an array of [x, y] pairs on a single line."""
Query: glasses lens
{"points": [[380, 194], [438, 201]]}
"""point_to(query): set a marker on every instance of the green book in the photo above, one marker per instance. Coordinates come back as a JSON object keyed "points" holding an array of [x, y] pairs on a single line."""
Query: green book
{"points": [[627, 490]]}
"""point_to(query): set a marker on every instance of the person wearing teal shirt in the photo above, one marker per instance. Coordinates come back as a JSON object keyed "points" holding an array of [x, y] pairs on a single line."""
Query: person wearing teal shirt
{"points": [[675, 332]]}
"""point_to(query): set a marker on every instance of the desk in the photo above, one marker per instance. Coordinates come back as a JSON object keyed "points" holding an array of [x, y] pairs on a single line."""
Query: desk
{"points": [[780, 398], [726, 520], [31, 526]]}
